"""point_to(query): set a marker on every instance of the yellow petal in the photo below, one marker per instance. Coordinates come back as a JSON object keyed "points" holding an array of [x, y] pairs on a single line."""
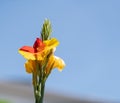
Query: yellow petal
{"points": [[50, 44], [27, 55], [31, 56], [59, 63], [30, 66]]}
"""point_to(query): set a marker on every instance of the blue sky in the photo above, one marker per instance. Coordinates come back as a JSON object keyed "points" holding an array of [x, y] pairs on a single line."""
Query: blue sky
{"points": [[89, 35]]}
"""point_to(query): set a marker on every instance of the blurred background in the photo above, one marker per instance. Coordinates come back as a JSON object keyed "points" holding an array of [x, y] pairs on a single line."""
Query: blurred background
{"points": [[89, 35]]}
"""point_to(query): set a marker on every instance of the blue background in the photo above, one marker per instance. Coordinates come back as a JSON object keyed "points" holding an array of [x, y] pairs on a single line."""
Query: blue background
{"points": [[89, 35]]}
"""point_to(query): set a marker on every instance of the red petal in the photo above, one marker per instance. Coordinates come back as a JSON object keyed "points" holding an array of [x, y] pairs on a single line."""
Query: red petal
{"points": [[27, 49], [38, 44]]}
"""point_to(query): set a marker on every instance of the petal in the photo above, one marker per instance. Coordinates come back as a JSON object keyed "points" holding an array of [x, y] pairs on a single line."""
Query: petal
{"points": [[30, 66], [38, 45], [28, 69], [59, 63], [27, 55], [27, 49], [39, 56], [52, 43], [55, 62]]}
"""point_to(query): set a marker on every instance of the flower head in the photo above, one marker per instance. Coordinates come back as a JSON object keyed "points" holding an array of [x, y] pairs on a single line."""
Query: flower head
{"points": [[39, 48]]}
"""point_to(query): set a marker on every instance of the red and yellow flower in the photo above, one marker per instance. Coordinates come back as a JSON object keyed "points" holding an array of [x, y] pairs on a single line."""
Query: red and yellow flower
{"points": [[41, 60], [38, 52], [39, 48]]}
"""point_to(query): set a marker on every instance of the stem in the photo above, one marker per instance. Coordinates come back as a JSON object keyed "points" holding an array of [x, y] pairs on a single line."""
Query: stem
{"points": [[38, 84], [39, 93], [42, 92]]}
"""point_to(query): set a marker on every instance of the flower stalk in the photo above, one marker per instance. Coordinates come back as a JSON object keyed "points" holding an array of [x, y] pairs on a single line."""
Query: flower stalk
{"points": [[41, 60]]}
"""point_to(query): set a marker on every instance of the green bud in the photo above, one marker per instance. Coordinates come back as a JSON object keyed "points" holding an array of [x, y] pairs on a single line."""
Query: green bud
{"points": [[46, 30]]}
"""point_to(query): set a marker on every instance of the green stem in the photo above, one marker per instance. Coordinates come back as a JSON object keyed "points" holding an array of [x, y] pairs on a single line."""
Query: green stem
{"points": [[39, 85], [39, 93], [42, 92]]}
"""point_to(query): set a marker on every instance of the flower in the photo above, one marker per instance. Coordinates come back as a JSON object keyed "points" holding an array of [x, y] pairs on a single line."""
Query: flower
{"points": [[36, 52], [53, 62], [41, 60], [40, 51]]}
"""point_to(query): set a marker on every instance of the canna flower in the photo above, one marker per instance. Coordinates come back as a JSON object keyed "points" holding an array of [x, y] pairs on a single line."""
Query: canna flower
{"points": [[53, 62], [41, 60], [39, 48]]}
